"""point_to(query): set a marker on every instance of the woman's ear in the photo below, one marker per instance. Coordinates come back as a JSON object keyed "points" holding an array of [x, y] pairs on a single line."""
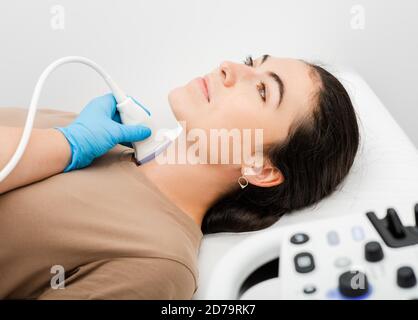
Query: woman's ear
{"points": [[267, 176]]}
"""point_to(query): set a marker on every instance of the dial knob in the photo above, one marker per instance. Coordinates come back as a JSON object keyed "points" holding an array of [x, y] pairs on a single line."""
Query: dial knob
{"points": [[353, 284], [373, 251], [406, 277]]}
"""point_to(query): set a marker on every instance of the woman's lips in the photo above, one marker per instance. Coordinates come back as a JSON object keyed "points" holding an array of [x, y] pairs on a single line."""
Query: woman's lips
{"points": [[203, 85]]}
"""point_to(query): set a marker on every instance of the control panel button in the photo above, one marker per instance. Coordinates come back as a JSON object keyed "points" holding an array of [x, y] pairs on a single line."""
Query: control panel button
{"points": [[395, 225], [342, 262], [392, 230], [333, 238], [353, 284], [299, 238], [373, 251], [309, 289], [357, 233], [406, 277], [304, 262]]}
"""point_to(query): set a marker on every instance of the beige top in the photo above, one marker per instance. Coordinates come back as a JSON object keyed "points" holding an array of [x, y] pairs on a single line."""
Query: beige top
{"points": [[107, 225]]}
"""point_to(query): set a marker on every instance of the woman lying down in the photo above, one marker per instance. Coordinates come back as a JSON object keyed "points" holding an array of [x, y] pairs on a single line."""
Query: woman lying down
{"points": [[80, 219]]}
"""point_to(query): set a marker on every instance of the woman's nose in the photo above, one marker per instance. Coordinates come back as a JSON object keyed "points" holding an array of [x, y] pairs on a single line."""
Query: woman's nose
{"points": [[229, 73], [232, 72]]}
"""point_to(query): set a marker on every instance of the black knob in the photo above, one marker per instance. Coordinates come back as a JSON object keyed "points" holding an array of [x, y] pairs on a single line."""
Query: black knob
{"points": [[353, 284], [373, 251], [416, 214], [406, 277]]}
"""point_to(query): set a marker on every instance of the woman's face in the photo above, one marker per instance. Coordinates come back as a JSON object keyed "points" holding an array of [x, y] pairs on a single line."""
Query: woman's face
{"points": [[270, 94]]}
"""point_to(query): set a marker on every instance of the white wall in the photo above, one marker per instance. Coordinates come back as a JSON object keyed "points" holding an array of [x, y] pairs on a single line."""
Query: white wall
{"points": [[167, 43]]}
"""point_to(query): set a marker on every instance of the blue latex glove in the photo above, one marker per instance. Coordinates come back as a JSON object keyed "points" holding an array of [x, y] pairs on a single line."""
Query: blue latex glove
{"points": [[98, 129]]}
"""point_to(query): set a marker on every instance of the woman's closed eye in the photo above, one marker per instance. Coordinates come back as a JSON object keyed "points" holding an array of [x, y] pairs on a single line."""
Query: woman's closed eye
{"points": [[261, 87]]}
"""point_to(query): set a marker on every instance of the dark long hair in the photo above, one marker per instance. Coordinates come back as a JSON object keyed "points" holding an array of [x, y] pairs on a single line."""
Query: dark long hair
{"points": [[314, 158]]}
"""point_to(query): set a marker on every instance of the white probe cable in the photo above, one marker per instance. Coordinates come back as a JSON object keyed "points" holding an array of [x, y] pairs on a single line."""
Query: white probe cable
{"points": [[117, 92]]}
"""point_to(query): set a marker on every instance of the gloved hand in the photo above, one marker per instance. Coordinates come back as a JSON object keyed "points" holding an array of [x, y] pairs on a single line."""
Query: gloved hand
{"points": [[98, 129]]}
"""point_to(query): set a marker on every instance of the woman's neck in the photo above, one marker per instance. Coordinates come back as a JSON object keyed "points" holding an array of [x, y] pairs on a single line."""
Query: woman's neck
{"points": [[194, 188]]}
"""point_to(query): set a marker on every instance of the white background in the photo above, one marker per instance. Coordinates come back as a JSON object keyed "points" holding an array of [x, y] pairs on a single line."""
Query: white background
{"points": [[150, 47]]}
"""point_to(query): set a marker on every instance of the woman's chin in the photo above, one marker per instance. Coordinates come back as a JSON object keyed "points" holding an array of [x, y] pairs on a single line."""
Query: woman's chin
{"points": [[172, 101], [177, 104]]}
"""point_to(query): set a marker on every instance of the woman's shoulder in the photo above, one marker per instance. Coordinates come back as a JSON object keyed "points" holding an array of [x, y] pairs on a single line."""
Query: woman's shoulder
{"points": [[45, 118], [128, 278]]}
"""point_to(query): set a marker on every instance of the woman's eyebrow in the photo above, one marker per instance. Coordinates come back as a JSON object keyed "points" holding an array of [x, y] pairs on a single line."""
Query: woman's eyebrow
{"points": [[265, 57], [276, 78]]}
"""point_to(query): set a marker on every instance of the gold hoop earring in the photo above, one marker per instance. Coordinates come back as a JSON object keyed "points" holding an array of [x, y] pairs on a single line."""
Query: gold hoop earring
{"points": [[243, 182]]}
